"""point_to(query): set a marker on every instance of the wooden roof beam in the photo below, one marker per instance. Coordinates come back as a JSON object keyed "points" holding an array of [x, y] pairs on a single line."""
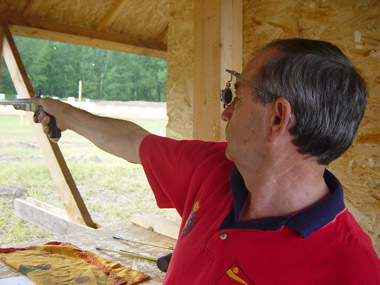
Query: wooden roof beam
{"points": [[31, 8], [48, 30], [112, 15]]}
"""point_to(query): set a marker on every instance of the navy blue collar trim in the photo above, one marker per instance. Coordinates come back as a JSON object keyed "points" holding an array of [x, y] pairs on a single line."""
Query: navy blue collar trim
{"points": [[305, 222], [312, 219]]}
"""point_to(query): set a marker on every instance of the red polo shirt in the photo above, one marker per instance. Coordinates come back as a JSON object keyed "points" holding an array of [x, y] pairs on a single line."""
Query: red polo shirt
{"points": [[321, 245]]}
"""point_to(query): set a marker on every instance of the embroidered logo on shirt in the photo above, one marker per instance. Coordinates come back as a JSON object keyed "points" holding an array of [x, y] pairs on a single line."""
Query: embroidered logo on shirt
{"points": [[190, 220], [235, 275]]}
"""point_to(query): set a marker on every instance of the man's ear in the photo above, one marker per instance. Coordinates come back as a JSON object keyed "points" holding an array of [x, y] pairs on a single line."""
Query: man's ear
{"points": [[279, 118]]}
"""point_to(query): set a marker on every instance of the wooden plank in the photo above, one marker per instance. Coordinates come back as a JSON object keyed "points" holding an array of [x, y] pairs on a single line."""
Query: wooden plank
{"points": [[48, 30], [31, 8], [45, 219], [57, 211], [15, 66], [156, 223], [47, 207], [59, 171], [112, 15], [218, 45]]}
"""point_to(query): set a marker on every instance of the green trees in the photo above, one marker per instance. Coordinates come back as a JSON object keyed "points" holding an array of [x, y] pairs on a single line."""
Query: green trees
{"points": [[56, 69]]}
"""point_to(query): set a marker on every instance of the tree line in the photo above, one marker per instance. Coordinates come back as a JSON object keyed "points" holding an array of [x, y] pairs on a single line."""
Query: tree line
{"points": [[56, 68]]}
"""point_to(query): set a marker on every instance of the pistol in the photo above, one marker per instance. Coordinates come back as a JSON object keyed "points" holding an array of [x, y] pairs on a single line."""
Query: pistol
{"points": [[27, 105]]}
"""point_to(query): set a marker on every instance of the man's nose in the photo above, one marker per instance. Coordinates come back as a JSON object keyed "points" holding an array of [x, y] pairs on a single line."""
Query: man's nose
{"points": [[227, 113]]}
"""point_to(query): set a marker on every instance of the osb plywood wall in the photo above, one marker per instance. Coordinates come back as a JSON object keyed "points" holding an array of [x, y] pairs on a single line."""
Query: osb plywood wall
{"points": [[266, 20], [179, 98], [336, 22]]}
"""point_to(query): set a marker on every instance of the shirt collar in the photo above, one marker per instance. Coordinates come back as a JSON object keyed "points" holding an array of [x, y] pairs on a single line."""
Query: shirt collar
{"points": [[314, 218], [305, 222]]}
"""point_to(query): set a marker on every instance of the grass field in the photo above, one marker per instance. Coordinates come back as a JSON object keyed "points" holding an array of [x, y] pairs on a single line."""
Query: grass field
{"points": [[111, 187]]}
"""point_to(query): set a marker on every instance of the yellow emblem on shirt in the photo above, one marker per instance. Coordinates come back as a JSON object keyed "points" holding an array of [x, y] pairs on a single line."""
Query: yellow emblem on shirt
{"points": [[190, 222]]}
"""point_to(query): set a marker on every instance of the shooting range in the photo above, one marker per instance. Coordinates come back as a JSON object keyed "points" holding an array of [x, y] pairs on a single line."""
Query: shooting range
{"points": [[199, 39]]}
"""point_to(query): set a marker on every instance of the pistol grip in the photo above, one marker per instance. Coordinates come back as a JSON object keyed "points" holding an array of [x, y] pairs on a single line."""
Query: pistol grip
{"points": [[54, 131]]}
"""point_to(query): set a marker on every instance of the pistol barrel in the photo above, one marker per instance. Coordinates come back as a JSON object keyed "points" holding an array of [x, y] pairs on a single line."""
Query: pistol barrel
{"points": [[20, 104]]}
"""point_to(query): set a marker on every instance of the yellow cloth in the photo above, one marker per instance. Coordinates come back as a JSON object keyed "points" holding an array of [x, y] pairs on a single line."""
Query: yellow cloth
{"points": [[64, 263]]}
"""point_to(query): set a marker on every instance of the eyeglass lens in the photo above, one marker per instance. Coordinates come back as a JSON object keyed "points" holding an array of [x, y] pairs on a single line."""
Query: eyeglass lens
{"points": [[227, 96]]}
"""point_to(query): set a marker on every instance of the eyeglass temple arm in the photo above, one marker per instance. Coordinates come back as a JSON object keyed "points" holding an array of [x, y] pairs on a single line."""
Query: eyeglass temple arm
{"points": [[237, 75]]}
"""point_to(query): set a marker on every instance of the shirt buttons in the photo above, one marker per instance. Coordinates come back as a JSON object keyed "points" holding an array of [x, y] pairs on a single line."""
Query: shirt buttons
{"points": [[223, 236]]}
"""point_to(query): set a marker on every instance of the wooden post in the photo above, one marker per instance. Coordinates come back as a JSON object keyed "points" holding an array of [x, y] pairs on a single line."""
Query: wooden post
{"points": [[218, 45], [72, 200], [80, 91]]}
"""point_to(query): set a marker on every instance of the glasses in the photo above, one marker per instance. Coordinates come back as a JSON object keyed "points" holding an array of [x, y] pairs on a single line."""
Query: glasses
{"points": [[226, 95]]}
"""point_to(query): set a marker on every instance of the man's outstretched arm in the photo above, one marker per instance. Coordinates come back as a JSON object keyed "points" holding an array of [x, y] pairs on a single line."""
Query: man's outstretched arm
{"points": [[118, 137]]}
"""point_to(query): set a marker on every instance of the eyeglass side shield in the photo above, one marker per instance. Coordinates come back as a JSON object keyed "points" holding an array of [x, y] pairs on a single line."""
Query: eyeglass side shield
{"points": [[226, 96]]}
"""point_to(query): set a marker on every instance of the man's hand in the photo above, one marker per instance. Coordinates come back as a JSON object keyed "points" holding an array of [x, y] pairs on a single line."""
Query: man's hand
{"points": [[55, 108]]}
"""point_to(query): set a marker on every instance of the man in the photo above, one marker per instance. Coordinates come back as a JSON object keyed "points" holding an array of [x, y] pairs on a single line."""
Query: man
{"points": [[261, 208]]}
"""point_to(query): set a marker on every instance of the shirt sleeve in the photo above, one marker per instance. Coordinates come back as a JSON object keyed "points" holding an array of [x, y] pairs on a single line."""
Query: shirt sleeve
{"points": [[175, 168]]}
